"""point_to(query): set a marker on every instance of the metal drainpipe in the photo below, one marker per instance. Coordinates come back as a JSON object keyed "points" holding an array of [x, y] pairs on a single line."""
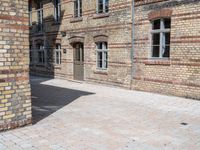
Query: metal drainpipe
{"points": [[132, 42]]}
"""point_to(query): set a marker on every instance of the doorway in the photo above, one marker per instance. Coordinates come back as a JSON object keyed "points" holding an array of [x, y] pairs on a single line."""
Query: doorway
{"points": [[78, 61]]}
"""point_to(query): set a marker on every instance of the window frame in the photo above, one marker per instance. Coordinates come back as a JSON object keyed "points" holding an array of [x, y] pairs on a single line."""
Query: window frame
{"points": [[41, 49], [58, 60], [57, 10], [40, 17], [161, 33], [104, 52], [78, 12], [104, 11]]}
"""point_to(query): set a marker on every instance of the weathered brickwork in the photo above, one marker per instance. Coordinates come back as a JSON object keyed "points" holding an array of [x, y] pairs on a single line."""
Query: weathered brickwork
{"points": [[15, 101], [180, 74], [115, 25]]}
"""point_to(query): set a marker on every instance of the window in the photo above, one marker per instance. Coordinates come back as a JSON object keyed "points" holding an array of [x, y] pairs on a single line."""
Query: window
{"points": [[40, 17], [31, 53], [103, 6], [41, 53], [78, 8], [57, 10], [102, 55], [30, 13], [161, 38], [58, 54]]}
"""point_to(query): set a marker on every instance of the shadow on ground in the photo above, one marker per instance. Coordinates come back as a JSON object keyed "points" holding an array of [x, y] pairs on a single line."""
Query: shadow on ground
{"points": [[48, 99]]}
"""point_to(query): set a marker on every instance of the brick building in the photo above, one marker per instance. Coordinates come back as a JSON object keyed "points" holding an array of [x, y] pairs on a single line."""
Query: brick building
{"points": [[15, 101], [167, 47], [96, 41]]}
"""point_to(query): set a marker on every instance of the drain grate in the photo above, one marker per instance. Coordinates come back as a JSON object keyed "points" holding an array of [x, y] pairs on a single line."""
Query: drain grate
{"points": [[184, 124]]}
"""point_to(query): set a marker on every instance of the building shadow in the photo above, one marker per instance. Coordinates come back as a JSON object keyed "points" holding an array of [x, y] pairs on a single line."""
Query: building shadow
{"points": [[48, 99]]}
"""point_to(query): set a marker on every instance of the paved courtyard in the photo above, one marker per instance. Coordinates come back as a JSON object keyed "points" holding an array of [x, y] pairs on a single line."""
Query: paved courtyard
{"points": [[80, 116]]}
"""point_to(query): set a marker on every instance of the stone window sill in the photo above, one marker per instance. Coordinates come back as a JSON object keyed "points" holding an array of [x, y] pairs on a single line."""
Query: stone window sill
{"points": [[102, 72], [163, 62], [102, 15], [77, 19], [57, 66]]}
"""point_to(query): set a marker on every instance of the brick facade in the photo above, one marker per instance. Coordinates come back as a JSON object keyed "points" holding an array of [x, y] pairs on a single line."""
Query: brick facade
{"points": [[15, 100], [180, 74], [114, 26], [177, 75]]}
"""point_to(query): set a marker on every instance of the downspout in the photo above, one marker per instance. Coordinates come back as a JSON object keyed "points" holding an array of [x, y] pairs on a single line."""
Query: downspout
{"points": [[132, 42]]}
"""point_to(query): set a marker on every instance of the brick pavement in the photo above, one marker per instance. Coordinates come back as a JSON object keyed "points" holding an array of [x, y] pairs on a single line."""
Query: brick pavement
{"points": [[81, 116]]}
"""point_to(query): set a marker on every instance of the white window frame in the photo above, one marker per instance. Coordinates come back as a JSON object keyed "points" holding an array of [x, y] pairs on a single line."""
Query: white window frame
{"points": [[57, 59], [104, 60], [57, 10], [79, 13], [162, 43], [104, 7]]}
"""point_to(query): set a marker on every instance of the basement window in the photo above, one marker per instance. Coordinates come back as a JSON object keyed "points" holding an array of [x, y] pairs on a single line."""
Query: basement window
{"points": [[161, 38], [102, 55]]}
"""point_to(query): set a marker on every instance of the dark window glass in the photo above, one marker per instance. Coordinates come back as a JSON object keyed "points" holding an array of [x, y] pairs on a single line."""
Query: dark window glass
{"points": [[156, 51], [167, 23], [100, 57], [156, 24], [167, 38], [166, 51], [156, 39]]}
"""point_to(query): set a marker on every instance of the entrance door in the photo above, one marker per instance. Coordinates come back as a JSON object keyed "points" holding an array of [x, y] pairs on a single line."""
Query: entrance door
{"points": [[78, 62]]}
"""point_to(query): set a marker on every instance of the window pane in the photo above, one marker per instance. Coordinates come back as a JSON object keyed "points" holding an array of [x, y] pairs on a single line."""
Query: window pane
{"points": [[105, 45], [156, 24], [106, 6], [105, 60], [166, 51], [57, 57], [99, 45], [167, 38], [156, 51], [156, 39], [100, 6], [167, 23], [99, 59], [78, 58]]}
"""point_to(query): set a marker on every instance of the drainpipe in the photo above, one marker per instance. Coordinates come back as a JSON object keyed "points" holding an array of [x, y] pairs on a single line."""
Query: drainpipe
{"points": [[132, 42]]}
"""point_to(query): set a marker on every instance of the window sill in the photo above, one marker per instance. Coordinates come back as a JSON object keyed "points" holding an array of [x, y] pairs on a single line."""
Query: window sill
{"points": [[57, 66], [56, 23], [76, 19], [40, 65], [163, 62], [101, 15], [102, 72]]}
